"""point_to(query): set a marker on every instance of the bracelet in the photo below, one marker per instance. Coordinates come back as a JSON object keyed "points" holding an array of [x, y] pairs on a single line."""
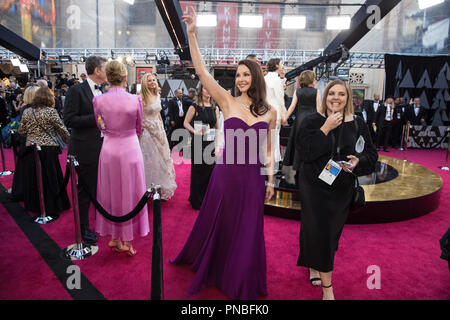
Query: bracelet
{"points": [[268, 184]]}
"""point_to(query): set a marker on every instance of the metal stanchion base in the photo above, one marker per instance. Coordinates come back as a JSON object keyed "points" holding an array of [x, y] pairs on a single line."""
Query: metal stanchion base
{"points": [[6, 173], [45, 220], [79, 251], [401, 149], [444, 168]]}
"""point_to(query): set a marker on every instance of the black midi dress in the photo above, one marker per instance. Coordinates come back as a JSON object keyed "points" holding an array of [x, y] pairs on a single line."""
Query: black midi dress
{"points": [[325, 208], [306, 105], [200, 169]]}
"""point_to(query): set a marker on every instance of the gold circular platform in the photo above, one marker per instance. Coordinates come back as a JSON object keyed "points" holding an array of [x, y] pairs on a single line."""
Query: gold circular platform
{"points": [[413, 193]]}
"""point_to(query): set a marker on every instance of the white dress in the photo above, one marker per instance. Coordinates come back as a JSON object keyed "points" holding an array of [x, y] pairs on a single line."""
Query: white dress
{"points": [[275, 98], [158, 164]]}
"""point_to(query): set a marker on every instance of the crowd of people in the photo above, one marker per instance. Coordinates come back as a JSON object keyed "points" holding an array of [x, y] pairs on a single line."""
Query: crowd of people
{"points": [[123, 141]]}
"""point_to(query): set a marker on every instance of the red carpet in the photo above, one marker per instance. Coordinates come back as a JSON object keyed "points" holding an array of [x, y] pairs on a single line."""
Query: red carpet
{"points": [[407, 254]]}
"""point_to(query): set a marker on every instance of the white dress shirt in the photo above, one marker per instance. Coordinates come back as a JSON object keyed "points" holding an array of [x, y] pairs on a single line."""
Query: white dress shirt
{"points": [[92, 84], [389, 112], [376, 105], [416, 110], [180, 108]]}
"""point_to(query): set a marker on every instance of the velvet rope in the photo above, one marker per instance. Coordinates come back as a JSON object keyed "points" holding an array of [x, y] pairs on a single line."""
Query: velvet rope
{"points": [[107, 215]]}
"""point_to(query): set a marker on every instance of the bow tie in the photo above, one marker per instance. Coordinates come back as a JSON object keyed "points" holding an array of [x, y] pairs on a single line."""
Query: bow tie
{"points": [[96, 87]]}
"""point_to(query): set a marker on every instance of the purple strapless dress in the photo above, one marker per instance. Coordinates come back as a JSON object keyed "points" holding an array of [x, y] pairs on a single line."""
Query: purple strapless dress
{"points": [[226, 246]]}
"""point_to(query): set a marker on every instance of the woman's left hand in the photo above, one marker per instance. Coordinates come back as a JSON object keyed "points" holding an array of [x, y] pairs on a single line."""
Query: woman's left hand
{"points": [[190, 20], [354, 161], [270, 191]]}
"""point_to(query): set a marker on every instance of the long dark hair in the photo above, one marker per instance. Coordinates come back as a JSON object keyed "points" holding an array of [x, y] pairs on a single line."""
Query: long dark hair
{"points": [[257, 90]]}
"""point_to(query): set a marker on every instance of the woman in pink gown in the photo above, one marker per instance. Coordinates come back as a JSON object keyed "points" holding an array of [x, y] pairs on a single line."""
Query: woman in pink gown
{"points": [[121, 179]]}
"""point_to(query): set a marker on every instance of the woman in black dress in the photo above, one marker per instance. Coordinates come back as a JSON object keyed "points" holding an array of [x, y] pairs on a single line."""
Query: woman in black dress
{"points": [[330, 134], [304, 102], [41, 124], [202, 121]]}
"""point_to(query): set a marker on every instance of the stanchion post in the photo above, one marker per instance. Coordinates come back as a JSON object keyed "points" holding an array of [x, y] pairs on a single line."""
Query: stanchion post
{"points": [[4, 171], [79, 250], [402, 139], [446, 167], [157, 285], [408, 127], [43, 218]]}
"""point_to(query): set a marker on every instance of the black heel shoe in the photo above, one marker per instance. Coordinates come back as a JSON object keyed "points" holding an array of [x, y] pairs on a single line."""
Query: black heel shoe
{"points": [[326, 287]]}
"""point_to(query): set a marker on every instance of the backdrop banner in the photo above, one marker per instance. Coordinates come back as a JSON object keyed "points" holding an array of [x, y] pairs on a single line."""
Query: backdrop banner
{"points": [[425, 77]]}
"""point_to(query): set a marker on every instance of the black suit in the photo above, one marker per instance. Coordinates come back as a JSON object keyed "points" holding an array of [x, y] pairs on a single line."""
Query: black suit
{"points": [[413, 119], [384, 126], [368, 106], [85, 141], [397, 125], [174, 115]]}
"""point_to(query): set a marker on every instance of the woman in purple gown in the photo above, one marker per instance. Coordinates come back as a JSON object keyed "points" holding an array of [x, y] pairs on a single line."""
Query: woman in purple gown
{"points": [[226, 246]]}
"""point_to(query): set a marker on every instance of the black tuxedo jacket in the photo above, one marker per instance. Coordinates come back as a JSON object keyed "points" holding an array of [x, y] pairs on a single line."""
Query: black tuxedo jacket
{"points": [[174, 112], [371, 113], [381, 114], [85, 141], [411, 115]]}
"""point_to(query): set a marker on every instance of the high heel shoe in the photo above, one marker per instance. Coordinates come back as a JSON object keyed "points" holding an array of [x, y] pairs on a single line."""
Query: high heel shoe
{"points": [[131, 252], [116, 246], [326, 287]]}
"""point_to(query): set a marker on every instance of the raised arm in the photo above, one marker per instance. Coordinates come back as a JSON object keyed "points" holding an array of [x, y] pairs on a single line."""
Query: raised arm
{"points": [[219, 94]]}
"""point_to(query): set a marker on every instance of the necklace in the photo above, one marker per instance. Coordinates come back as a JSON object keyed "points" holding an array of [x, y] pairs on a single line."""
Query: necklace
{"points": [[243, 104]]}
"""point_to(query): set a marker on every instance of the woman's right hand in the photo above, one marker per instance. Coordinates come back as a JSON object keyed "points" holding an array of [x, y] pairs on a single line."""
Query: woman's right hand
{"points": [[198, 132], [190, 20], [332, 122]]}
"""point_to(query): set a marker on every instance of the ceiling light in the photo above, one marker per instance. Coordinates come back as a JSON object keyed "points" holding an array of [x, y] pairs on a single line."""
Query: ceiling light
{"points": [[130, 2], [23, 68], [293, 22], [250, 21], [15, 62], [206, 20], [65, 58], [423, 4], [338, 22]]}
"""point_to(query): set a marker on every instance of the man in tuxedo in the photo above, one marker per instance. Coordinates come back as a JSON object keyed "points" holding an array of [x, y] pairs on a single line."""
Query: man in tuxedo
{"points": [[416, 114], [397, 123], [177, 113], [189, 99], [85, 139], [371, 107], [384, 117]]}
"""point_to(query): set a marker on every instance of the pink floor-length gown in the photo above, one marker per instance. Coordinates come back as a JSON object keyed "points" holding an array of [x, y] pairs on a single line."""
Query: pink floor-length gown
{"points": [[158, 164], [121, 177]]}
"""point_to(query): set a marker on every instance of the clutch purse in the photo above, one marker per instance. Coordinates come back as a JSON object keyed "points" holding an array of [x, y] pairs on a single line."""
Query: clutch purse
{"points": [[359, 198]]}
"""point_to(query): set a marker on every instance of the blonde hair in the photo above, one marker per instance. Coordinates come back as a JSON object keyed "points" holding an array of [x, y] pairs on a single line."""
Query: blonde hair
{"points": [[145, 91], [29, 94], [349, 109], [115, 72]]}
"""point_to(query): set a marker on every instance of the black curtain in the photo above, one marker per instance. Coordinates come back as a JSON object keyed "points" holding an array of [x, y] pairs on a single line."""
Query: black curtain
{"points": [[423, 77]]}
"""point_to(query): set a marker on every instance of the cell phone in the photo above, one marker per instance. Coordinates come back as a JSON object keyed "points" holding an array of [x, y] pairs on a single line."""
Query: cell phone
{"points": [[346, 163]]}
